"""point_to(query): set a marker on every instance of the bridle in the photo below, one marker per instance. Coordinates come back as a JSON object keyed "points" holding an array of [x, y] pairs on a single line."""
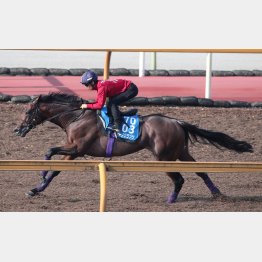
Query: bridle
{"points": [[36, 117]]}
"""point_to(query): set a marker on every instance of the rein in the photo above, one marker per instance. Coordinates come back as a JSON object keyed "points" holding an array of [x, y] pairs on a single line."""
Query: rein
{"points": [[37, 113], [68, 111], [66, 124]]}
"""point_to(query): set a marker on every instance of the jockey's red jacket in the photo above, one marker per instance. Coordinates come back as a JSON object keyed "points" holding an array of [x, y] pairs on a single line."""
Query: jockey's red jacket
{"points": [[108, 88]]}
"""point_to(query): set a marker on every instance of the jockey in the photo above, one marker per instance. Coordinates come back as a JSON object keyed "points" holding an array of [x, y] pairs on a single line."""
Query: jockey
{"points": [[118, 91]]}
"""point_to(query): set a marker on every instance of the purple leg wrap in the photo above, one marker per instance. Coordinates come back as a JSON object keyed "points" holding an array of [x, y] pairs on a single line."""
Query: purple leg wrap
{"points": [[47, 157], [211, 186], [44, 185], [44, 173], [110, 144], [172, 198]]}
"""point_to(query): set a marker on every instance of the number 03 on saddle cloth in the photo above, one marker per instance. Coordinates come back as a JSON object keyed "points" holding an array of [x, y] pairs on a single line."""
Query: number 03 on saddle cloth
{"points": [[130, 127]]}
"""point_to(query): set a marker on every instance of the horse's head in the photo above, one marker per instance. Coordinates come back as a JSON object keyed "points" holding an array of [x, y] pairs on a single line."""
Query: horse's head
{"points": [[32, 118], [51, 108]]}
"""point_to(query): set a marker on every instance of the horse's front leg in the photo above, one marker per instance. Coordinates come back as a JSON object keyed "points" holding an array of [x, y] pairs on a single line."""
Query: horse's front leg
{"points": [[70, 154], [48, 178], [65, 150], [44, 184], [43, 173]]}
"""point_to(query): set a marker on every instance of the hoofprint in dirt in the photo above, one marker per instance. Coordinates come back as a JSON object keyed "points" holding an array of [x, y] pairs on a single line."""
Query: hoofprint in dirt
{"points": [[134, 191]]}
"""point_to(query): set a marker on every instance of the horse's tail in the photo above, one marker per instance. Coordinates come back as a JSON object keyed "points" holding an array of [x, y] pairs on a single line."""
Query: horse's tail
{"points": [[218, 139]]}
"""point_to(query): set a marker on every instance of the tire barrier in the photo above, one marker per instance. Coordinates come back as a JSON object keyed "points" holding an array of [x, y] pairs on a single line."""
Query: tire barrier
{"points": [[158, 73], [197, 73], [179, 72], [20, 71], [257, 72], [155, 101], [122, 72], [119, 72], [243, 73], [39, 71], [223, 73]]}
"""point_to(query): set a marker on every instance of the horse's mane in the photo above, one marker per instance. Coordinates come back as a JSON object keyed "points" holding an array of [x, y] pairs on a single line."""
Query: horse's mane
{"points": [[61, 98]]}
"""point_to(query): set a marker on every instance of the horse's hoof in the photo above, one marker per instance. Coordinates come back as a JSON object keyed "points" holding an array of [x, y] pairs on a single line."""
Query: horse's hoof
{"points": [[172, 198], [218, 196], [32, 193], [169, 201]]}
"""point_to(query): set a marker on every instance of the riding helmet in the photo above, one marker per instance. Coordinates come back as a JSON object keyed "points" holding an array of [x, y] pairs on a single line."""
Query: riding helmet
{"points": [[88, 77]]}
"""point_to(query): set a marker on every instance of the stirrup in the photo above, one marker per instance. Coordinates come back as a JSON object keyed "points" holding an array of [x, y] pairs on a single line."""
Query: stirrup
{"points": [[114, 128]]}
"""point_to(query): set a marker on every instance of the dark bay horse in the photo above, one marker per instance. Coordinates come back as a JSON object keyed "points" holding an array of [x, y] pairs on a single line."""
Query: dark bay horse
{"points": [[167, 138]]}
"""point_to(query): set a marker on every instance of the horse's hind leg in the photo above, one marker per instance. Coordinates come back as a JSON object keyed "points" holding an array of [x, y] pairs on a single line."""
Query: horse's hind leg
{"points": [[176, 178], [185, 156], [178, 181], [48, 178]]}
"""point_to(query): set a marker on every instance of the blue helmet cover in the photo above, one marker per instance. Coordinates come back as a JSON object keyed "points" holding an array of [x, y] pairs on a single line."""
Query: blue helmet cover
{"points": [[88, 77]]}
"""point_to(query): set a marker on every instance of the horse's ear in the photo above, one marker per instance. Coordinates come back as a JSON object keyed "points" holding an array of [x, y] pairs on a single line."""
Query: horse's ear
{"points": [[37, 99]]}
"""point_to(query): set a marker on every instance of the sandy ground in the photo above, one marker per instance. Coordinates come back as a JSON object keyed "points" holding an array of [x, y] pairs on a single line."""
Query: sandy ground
{"points": [[136, 192]]}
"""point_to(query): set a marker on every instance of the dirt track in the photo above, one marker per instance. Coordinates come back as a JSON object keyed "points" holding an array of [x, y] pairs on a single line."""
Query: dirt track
{"points": [[78, 191]]}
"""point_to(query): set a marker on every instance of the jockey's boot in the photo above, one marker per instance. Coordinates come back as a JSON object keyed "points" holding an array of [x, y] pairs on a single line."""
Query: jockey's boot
{"points": [[111, 121], [117, 118], [116, 126]]}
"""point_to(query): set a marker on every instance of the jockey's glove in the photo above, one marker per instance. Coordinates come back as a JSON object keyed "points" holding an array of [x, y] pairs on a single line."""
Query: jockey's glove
{"points": [[83, 106]]}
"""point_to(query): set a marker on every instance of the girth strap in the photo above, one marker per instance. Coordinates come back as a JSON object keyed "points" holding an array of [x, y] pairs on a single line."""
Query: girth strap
{"points": [[110, 143]]}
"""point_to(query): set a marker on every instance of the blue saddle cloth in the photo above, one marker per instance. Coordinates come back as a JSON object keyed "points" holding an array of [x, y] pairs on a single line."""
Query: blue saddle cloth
{"points": [[129, 127]]}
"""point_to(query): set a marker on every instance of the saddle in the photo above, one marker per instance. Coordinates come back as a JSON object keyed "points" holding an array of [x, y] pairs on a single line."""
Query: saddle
{"points": [[130, 125]]}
